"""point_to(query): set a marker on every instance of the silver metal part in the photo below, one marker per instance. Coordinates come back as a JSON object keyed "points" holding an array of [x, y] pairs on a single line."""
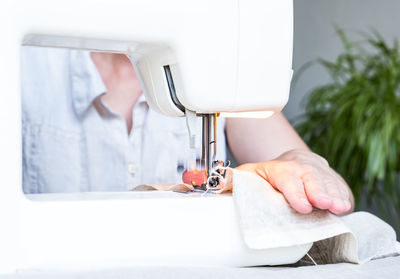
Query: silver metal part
{"points": [[193, 123], [209, 142]]}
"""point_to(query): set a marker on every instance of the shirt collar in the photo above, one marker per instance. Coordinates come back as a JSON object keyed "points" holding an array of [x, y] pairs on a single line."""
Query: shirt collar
{"points": [[142, 100], [86, 82]]}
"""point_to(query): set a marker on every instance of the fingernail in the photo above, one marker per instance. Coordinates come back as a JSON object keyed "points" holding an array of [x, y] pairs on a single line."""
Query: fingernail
{"points": [[338, 203], [324, 197], [305, 206]]}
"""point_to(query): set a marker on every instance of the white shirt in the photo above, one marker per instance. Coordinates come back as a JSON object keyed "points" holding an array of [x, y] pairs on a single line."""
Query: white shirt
{"points": [[73, 142]]}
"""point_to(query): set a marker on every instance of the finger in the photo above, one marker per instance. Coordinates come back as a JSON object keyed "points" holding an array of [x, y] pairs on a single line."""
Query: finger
{"points": [[293, 190], [343, 188], [338, 205], [340, 198], [349, 198], [316, 191]]}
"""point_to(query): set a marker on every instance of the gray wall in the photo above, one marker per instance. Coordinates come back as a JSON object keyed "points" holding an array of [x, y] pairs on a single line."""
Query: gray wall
{"points": [[314, 35]]}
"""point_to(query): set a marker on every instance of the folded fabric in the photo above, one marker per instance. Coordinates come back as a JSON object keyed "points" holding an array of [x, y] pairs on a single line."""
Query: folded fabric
{"points": [[163, 187], [267, 221]]}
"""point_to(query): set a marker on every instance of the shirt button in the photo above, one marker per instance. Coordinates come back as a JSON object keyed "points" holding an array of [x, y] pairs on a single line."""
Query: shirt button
{"points": [[133, 168]]}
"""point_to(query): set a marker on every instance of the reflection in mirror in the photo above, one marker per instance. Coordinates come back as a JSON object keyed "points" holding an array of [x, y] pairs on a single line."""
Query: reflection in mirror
{"points": [[86, 125]]}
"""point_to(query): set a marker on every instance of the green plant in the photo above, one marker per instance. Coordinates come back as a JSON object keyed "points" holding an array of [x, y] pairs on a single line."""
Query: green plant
{"points": [[354, 120]]}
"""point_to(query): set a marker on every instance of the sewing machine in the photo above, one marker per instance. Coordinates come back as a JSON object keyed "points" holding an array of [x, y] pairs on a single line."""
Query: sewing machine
{"points": [[195, 58], [236, 63]]}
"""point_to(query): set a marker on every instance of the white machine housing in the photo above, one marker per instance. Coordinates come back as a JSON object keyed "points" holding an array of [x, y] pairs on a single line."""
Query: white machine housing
{"points": [[225, 56]]}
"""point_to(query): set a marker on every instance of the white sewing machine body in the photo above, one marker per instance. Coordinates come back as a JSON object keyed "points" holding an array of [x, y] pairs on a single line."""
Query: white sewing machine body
{"points": [[214, 52]]}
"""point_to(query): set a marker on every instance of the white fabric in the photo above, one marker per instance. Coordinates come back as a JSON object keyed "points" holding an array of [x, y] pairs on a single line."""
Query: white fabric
{"points": [[267, 221]]}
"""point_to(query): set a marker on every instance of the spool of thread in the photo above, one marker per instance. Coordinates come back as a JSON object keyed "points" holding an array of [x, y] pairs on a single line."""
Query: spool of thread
{"points": [[195, 177]]}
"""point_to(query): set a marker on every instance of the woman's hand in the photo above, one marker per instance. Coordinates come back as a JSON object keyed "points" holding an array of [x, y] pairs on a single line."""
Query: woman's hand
{"points": [[305, 179]]}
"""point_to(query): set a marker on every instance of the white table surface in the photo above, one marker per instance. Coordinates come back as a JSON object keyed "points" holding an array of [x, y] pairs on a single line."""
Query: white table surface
{"points": [[387, 268]]}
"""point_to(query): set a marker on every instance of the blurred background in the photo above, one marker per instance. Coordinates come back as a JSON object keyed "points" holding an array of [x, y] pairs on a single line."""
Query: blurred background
{"points": [[315, 37], [354, 120]]}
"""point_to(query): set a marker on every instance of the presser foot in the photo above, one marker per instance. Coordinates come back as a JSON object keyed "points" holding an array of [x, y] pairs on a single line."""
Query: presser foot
{"points": [[200, 181]]}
